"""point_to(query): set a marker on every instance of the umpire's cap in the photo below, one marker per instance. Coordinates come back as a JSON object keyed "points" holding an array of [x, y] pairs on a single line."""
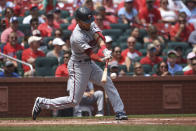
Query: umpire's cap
{"points": [[84, 14]]}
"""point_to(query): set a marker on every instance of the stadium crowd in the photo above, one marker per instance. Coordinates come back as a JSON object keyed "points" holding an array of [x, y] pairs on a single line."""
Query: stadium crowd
{"points": [[147, 37]]}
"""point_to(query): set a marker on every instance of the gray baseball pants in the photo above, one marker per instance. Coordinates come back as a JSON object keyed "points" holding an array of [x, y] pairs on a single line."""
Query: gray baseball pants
{"points": [[79, 75]]}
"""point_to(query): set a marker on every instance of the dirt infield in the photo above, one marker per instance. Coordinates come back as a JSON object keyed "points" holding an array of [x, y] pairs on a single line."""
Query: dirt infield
{"points": [[102, 121]]}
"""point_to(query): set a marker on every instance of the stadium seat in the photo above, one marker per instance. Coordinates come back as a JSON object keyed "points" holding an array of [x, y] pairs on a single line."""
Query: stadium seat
{"points": [[114, 33], [187, 51], [137, 59], [47, 39], [25, 28], [64, 14], [129, 73], [64, 26], [120, 26], [123, 46], [143, 33], [42, 12], [128, 32], [19, 67], [123, 38], [165, 51], [67, 33], [115, 43], [26, 13], [143, 51], [45, 66], [131, 68], [20, 19], [147, 68], [123, 67], [173, 45], [179, 73], [138, 46]]}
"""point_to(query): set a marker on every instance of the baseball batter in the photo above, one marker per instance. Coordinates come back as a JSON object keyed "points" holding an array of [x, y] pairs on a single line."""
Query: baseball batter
{"points": [[85, 41]]}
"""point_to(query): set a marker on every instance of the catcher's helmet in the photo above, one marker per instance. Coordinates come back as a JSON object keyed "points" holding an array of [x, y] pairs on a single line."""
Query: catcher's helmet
{"points": [[84, 14]]}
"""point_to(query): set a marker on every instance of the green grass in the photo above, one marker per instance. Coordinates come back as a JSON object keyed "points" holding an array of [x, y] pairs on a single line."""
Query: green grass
{"points": [[101, 128], [130, 116]]}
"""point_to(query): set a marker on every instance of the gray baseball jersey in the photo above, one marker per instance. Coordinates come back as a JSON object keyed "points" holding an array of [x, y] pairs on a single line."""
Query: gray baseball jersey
{"points": [[81, 40], [81, 71]]}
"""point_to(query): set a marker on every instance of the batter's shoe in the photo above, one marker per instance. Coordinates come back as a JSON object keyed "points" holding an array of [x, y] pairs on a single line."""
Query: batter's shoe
{"points": [[36, 108], [121, 116]]}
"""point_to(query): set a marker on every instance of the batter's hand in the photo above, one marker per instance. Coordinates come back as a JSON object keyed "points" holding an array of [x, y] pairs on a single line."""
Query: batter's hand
{"points": [[106, 58], [107, 53]]}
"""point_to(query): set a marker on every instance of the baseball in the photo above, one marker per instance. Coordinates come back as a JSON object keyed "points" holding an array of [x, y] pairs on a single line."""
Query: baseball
{"points": [[113, 75]]}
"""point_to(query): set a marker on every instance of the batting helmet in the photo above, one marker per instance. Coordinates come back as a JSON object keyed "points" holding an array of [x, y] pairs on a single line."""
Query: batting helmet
{"points": [[84, 14]]}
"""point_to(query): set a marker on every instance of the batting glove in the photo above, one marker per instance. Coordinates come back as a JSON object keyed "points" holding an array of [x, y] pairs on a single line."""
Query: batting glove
{"points": [[107, 53], [106, 58]]}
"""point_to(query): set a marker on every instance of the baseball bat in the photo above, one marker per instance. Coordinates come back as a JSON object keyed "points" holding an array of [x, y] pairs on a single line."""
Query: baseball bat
{"points": [[105, 73]]}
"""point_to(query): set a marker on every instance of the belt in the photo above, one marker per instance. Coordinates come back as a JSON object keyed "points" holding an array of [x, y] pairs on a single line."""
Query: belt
{"points": [[85, 60]]}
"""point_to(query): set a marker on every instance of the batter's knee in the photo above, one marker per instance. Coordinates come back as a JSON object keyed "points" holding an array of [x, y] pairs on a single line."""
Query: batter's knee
{"points": [[73, 102], [99, 93]]}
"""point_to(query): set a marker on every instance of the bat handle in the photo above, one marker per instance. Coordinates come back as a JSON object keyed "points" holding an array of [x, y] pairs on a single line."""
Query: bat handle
{"points": [[106, 63]]}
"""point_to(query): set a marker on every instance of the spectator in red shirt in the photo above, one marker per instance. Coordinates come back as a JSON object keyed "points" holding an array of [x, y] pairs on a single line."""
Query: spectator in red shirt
{"points": [[30, 54], [57, 18], [62, 70], [180, 59], [151, 57], [153, 35], [48, 27], [182, 29], [193, 70], [106, 16], [116, 56], [150, 14], [5, 22], [130, 53], [34, 23], [89, 4], [12, 46], [13, 28], [136, 34], [49, 5], [110, 10], [101, 23]]}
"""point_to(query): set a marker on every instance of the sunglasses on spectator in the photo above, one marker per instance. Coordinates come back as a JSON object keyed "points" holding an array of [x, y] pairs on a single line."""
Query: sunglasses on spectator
{"points": [[133, 42], [165, 3], [150, 2], [163, 66], [139, 67], [58, 34], [182, 21], [66, 57], [35, 23], [117, 51], [193, 64], [99, 19], [8, 12], [13, 38]]}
